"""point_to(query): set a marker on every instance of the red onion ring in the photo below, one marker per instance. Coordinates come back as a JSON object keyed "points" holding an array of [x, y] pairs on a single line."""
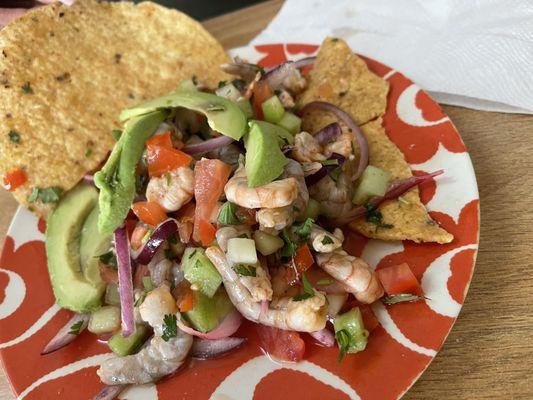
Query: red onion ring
{"points": [[110, 392], [208, 145], [277, 75], [205, 349], [63, 337], [397, 188], [310, 180], [161, 233], [324, 337], [227, 327], [350, 123], [328, 133], [125, 282]]}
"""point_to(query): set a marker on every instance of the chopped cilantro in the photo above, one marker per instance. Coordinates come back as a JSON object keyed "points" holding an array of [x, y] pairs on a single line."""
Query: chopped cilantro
{"points": [[75, 329], [227, 216], [309, 291], [277, 92], [170, 327], [172, 239], [331, 161], [140, 300], [168, 178], [401, 298], [46, 195], [343, 339], [239, 84], [374, 216], [304, 230], [116, 133], [108, 258], [26, 88], [327, 240], [88, 152], [245, 270], [221, 84], [335, 174], [290, 246], [14, 136]]}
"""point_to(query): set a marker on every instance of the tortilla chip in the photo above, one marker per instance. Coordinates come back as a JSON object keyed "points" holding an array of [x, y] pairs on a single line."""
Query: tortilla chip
{"points": [[340, 77], [409, 217], [67, 72]]}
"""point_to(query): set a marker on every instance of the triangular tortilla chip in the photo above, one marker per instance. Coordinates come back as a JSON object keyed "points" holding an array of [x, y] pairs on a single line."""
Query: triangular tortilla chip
{"points": [[338, 70], [67, 72]]}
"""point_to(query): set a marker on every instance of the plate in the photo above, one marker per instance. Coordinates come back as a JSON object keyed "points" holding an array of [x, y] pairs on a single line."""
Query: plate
{"points": [[408, 337]]}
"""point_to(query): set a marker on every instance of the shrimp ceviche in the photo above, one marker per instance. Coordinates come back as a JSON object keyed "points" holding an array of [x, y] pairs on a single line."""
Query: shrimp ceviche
{"points": [[215, 206]]}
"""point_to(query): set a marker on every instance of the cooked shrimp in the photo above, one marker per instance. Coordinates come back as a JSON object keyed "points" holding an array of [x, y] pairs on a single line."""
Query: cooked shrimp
{"points": [[173, 189], [275, 218], [160, 266], [311, 167], [295, 82], [355, 275], [159, 357], [228, 232], [324, 242], [307, 148], [259, 285], [286, 99], [308, 315], [341, 145], [335, 198], [274, 194]]}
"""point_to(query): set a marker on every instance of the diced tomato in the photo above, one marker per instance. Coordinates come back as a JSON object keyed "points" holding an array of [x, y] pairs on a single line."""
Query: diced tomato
{"points": [[246, 215], [162, 159], [186, 302], [210, 177], [261, 92], [149, 212], [108, 273], [137, 236], [163, 140], [399, 279], [369, 319], [15, 178], [280, 344], [303, 259], [141, 271]]}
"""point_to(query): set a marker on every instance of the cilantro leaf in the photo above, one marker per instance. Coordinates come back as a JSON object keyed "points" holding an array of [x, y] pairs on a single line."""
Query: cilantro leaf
{"points": [[227, 216], [170, 327], [116, 133], [14, 136], [374, 216], [304, 230], [245, 270], [26, 88], [75, 329], [327, 240], [46, 195], [289, 250], [400, 298], [309, 291], [343, 340], [331, 161]]}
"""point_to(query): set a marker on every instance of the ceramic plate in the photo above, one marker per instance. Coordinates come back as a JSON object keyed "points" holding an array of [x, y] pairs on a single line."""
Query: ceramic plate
{"points": [[399, 349]]}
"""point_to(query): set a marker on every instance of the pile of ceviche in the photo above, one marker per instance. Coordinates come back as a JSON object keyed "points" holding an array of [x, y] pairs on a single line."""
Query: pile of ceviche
{"points": [[214, 207]]}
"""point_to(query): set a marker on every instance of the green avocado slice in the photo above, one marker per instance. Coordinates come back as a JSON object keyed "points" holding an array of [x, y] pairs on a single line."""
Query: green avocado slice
{"points": [[116, 179], [223, 115], [264, 159]]}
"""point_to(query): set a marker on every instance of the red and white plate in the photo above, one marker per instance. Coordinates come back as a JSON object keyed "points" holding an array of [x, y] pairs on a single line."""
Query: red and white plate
{"points": [[408, 336]]}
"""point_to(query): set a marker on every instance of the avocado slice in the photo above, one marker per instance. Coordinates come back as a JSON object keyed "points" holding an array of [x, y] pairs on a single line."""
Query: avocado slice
{"points": [[63, 231], [92, 245], [223, 115], [116, 179], [207, 313], [264, 158]]}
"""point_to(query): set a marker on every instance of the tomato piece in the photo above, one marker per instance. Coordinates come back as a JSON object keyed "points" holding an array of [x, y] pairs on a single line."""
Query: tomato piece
{"points": [[163, 140], [246, 215], [187, 301], [210, 177], [15, 178], [303, 259], [399, 279], [369, 319], [149, 212], [161, 159], [261, 92], [141, 271], [137, 236], [281, 344]]}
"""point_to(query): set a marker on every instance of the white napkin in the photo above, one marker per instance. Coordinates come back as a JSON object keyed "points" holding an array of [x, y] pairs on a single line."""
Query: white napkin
{"points": [[471, 53]]}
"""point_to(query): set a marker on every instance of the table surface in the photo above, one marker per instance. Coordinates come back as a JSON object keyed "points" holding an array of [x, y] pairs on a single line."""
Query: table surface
{"points": [[489, 352]]}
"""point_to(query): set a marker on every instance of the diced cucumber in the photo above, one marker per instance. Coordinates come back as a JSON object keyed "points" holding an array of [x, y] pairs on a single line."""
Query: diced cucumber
{"points": [[228, 91], [199, 271], [147, 283], [273, 110], [246, 107], [290, 122], [111, 294], [125, 346], [207, 313], [267, 244], [373, 182], [311, 211], [242, 251], [350, 332], [104, 320]]}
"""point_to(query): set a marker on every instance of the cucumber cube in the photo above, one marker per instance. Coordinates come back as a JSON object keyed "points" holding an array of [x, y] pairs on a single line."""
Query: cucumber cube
{"points": [[273, 109], [267, 244], [242, 251], [373, 182], [354, 334], [311, 211], [207, 313], [104, 320], [199, 271], [290, 122], [125, 346]]}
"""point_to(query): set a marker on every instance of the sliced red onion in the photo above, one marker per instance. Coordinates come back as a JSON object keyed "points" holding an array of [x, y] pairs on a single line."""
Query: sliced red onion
{"points": [[324, 337], [352, 126], [161, 233], [208, 145], [310, 180], [89, 179], [205, 349], [110, 392], [397, 188], [277, 75], [227, 327], [328, 133], [125, 281], [64, 336]]}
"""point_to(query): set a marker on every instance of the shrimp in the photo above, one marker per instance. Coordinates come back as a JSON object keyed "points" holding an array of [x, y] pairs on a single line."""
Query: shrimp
{"points": [[228, 232], [307, 148], [324, 242], [286, 99], [259, 285], [335, 197], [353, 273], [342, 145], [274, 194], [279, 218], [160, 266], [159, 357], [311, 167], [173, 189], [308, 315]]}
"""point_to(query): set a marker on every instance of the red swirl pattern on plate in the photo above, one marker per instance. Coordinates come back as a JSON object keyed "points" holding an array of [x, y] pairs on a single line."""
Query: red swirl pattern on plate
{"points": [[398, 350]]}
